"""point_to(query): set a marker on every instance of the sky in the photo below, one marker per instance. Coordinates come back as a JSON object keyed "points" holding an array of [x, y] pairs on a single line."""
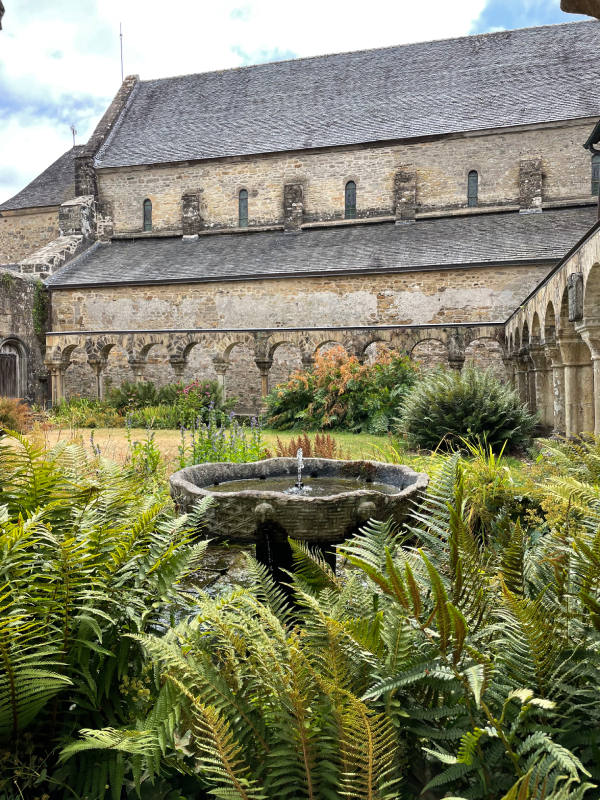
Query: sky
{"points": [[60, 59]]}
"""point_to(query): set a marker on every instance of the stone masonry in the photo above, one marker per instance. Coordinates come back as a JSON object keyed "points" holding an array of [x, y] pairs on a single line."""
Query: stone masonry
{"points": [[439, 186], [21, 233]]}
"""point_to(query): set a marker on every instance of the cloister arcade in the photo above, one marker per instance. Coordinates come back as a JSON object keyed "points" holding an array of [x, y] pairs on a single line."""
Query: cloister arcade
{"points": [[245, 362], [553, 343]]}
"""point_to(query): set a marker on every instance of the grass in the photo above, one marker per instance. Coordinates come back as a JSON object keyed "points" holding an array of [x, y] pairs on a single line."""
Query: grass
{"points": [[113, 441]]}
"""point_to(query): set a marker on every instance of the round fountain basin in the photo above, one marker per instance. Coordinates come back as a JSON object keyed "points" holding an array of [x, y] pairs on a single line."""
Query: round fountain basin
{"points": [[257, 499]]}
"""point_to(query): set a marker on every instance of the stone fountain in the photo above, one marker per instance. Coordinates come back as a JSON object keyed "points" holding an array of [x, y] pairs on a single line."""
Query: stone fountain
{"points": [[321, 501]]}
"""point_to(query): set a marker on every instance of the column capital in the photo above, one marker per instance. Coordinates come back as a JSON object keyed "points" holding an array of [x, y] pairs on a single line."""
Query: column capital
{"points": [[98, 364], [589, 330], [220, 365], [178, 365], [264, 365]]}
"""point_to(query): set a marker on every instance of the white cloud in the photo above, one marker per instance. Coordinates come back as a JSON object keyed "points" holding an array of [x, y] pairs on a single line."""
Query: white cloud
{"points": [[59, 61]]}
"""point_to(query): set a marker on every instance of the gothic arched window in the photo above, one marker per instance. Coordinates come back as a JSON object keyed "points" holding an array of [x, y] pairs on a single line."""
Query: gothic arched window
{"points": [[595, 175], [473, 189], [243, 208], [147, 215], [350, 200]]}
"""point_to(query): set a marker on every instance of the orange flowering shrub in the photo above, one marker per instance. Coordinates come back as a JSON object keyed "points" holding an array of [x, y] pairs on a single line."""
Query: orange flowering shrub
{"points": [[341, 393]]}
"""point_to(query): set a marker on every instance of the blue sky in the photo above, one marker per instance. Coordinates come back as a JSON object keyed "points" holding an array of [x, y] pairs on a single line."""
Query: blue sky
{"points": [[60, 59]]}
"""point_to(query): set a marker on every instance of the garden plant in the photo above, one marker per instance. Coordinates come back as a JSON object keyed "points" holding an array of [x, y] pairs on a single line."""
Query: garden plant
{"points": [[340, 393], [448, 407]]}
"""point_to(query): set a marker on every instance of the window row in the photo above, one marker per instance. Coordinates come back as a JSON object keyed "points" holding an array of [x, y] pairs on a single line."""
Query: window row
{"points": [[350, 197]]}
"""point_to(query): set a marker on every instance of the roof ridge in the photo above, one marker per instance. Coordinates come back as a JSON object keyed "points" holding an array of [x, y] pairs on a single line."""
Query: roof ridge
{"points": [[371, 50]]}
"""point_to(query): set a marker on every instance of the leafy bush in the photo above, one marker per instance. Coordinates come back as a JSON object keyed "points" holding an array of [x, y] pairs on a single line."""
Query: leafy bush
{"points": [[14, 415], [83, 412], [88, 556], [342, 394], [447, 407]]}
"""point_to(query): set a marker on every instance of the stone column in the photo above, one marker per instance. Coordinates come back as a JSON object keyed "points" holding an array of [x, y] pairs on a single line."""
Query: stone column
{"points": [[589, 331], [178, 365], [221, 366], [509, 365], [264, 365], [521, 378], [308, 362], [57, 375], [578, 386], [98, 365], [539, 375], [456, 353], [556, 386], [137, 366]]}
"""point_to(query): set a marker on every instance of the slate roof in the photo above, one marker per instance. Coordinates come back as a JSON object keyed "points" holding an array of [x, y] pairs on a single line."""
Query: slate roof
{"points": [[485, 238], [532, 75], [55, 185]]}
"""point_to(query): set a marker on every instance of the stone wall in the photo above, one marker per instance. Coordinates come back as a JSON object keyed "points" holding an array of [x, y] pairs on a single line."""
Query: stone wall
{"points": [[17, 293], [23, 232], [441, 166], [439, 296], [443, 296]]}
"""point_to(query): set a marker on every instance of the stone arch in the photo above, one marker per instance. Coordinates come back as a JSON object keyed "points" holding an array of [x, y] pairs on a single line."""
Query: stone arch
{"points": [[525, 334], [197, 357], [549, 321], [80, 380], [535, 328], [591, 293], [157, 369], [287, 358], [15, 372], [486, 352], [430, 353], [517, 339], [118, 369], [326, 344], [243, 376]]}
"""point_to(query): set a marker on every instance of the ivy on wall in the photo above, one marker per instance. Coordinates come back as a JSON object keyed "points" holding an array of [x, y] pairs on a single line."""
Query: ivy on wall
{"points": [[40, 314]]}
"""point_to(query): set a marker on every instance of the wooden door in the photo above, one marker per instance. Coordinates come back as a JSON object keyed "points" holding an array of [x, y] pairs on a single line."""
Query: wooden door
{"points": [[9, 384]]}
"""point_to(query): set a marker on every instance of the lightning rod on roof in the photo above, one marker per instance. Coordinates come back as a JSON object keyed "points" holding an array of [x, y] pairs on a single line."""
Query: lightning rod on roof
{"points": [[121, 37], [74, 132]]}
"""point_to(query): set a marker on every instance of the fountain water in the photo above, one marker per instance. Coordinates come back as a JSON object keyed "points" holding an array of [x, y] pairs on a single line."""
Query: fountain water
{"points": [[300, 485]]}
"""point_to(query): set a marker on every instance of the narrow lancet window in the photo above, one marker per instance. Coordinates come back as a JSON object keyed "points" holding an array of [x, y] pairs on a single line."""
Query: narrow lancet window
{"points": [[473, 189], [595, 175], [243, 203], [350, 200], [147, 215]]}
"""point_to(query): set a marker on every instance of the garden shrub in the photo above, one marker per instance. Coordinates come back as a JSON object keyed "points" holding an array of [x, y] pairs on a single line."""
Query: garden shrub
{"points": [[340, 393], [448, 407], [143, 405], [14, 415]]}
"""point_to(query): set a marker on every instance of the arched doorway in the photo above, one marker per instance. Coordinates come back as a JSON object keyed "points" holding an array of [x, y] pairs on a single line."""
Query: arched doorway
{"points": [[13, 369]]}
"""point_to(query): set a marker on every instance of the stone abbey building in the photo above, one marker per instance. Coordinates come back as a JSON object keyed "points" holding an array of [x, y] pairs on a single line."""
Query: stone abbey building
{"points": [[229, 224]]}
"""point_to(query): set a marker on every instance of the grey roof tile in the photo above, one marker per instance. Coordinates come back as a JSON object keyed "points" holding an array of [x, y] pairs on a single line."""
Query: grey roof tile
{"points": [[55, 185], [532, 75], [484, 238]]}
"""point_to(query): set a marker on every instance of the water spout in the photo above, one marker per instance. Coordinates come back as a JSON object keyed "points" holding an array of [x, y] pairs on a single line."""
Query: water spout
{"points": [[300, 485]]}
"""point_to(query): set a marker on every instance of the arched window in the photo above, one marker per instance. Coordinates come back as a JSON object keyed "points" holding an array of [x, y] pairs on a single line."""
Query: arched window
{"points": [[147, 215], [472, 189], [243, 203], [595, 175], [350, 200]]}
